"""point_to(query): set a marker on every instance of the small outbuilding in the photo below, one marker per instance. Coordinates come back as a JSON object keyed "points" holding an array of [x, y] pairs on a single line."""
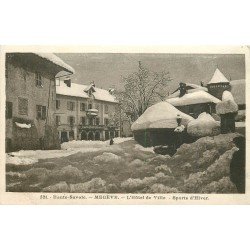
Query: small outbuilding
{"points": [[157, 124]]}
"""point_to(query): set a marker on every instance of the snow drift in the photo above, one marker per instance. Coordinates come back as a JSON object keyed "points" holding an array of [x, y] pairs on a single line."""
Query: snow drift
{"points": [[227, 105], [204, 125], [160, 115]]}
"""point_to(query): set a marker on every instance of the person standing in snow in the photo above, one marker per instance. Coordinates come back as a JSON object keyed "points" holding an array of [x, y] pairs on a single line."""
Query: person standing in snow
{"points": [[179, 130], [237, 166], [111, 142]]}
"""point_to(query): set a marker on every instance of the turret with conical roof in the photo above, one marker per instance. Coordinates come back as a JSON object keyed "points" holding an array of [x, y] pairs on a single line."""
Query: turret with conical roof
{"points": [[218, 84]]}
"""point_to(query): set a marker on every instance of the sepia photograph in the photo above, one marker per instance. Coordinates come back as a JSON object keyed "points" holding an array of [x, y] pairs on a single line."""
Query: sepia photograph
{"points": [[125, 123]]}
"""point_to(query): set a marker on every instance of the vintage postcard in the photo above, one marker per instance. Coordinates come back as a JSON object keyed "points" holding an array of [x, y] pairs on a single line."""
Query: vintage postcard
{"points": [[124, 125]]}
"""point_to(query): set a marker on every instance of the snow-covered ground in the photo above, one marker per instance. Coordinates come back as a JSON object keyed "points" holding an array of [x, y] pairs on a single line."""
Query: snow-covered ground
{"points": [[200, 167], [25, 157]]}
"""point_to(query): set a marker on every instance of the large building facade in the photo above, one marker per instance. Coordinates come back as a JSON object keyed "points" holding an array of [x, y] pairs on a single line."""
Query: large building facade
{"points": [[85, 112], [31, 100]]}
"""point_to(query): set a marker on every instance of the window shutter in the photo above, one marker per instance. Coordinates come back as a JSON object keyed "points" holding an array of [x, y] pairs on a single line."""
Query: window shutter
{"points": [[43, 112], [68, 105]]}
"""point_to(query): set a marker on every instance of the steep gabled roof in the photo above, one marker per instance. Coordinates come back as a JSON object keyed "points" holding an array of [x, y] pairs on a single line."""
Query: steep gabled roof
{"points": [[218, 77], [193, 98], [56, 60]]}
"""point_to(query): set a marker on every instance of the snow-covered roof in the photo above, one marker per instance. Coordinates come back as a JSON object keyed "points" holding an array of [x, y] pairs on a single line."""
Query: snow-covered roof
{"points": [[104, 95], [238, 90], [190, 89], [56, 60], [218, 77], [160, 115], [77, 90], [193, 98]]}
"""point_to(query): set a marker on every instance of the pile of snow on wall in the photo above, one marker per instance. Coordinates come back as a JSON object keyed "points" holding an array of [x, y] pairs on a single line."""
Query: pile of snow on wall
{"points": [[204, 125], [227, 105]]}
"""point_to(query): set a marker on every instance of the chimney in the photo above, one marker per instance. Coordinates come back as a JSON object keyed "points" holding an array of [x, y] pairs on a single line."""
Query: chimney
{"points": [[68, 82], [183, 89], [93, 84]]}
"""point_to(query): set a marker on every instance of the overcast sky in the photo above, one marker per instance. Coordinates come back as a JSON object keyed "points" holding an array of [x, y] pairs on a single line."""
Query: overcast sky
{"points": [[106, 69]]}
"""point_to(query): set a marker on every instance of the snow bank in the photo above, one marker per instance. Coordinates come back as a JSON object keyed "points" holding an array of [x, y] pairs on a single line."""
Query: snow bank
{"points": [[227, 105], [219, 169], [224, 185], [193, 98], [132, 185], [141, 148], [136, 163], [92, 144], [61, 187], [67, 173], [162, 189], [27, 157], [204, 125], [160, 115], [163, 168], [107, 157], [96, 185], [15, 160]]}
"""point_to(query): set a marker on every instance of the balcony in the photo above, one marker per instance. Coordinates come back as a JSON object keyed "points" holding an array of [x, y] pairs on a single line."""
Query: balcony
{"points": [[92, 112]]}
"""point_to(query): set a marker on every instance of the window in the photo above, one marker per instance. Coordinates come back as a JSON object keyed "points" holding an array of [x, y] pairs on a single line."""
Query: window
{"points": [[97, 121], [39, 82], [58, 120], [106, 121], [58, 104], [82, 106], [90, 106], [8, 110], [106, 108], [71, 106], [22, 106], [40, 112], [71, 120], [83, 120], [97, 106], [6, 71]]}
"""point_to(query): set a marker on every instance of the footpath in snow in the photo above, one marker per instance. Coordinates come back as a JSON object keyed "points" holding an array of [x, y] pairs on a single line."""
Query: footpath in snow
{"points": [[26, 157]]}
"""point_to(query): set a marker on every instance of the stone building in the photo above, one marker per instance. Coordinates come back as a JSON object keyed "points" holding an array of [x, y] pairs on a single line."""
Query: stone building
{"points": [[85, 112], [31, 100]]}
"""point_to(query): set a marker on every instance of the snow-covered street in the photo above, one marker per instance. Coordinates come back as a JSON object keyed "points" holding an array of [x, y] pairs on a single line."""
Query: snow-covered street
{"points": [[95, 166]]}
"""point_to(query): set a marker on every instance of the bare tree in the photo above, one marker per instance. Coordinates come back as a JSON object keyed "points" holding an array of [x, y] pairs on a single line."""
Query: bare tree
{"points": [[141, 90]]}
